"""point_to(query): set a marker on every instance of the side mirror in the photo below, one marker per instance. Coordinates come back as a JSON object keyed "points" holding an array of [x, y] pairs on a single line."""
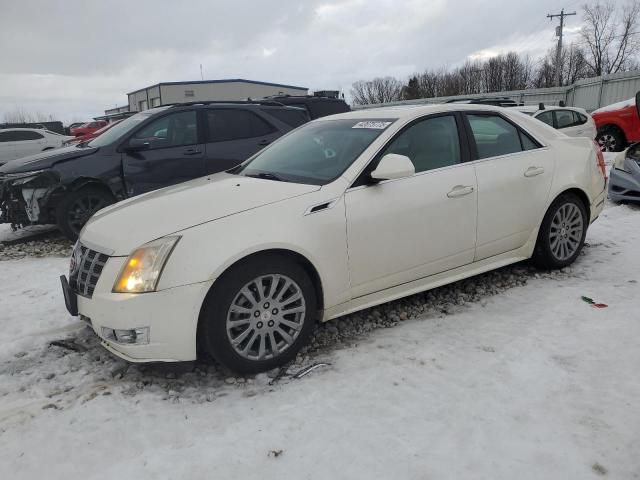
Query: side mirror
{"points": [[393, 166], [137, 145], [638, 103]]}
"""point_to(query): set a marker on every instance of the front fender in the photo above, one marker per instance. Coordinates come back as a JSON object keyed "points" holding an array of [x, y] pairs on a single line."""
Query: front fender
{"points": [[206, 251]]}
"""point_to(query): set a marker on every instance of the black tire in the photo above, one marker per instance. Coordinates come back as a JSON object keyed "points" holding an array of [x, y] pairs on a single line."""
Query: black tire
{"points": [[213, 337], [611, 139], [543, 254], [75, 209]]}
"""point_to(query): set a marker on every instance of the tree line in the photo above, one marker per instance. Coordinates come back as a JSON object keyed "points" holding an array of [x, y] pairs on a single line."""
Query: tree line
{"points": [[609, 42]]}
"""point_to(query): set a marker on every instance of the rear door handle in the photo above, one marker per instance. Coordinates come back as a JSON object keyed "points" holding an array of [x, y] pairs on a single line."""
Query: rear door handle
{"points": [[460, 191], [191, 151], [262, 143], [533, 171]]}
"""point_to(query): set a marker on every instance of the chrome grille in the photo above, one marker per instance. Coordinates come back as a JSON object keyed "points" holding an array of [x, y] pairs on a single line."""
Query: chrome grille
{"points": [[85, 270]]}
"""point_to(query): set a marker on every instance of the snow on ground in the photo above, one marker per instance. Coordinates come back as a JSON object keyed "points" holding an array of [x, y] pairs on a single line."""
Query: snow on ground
{"points": [[532, 383], [8, 234]]}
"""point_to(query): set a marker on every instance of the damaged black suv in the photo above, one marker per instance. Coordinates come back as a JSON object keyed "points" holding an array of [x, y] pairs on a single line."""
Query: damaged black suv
{"points": [[147, 151]]}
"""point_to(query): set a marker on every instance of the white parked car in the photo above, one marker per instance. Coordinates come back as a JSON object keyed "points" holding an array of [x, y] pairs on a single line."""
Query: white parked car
{"points": [[22, 142], [343, 213], [572, 121]]}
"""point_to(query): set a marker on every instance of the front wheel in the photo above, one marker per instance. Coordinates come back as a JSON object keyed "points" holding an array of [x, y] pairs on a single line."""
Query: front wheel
{"points": [[76, 208], [562, 232], [258, 314]]}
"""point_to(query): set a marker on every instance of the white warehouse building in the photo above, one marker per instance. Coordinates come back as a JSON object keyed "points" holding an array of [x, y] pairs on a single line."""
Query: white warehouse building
{"points": [[166, 93]]}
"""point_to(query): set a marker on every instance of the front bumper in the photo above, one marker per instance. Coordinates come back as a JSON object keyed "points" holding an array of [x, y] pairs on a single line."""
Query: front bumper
{"points": [[24, 200], [170, 314]]}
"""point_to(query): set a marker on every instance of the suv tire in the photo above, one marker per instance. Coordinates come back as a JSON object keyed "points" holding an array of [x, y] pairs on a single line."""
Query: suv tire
{"points": [[75, 209]]}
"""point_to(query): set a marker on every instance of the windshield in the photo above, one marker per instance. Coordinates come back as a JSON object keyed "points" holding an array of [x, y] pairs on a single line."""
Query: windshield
{"points": [[316, 153], [117, 131], [106, 127]]}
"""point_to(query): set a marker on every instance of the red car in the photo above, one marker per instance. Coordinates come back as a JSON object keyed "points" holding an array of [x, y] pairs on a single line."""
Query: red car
{"points": [[89, 127], [618, 124], [90, 136]]}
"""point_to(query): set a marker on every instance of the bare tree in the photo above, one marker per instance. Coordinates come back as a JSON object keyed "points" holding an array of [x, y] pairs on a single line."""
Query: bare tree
{"points": [[378, 90], [20, 115], [610, 37], [574, 65]]}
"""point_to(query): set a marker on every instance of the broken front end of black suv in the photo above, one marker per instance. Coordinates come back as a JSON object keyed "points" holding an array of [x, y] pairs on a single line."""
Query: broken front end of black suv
{"points": [[25, 198]]}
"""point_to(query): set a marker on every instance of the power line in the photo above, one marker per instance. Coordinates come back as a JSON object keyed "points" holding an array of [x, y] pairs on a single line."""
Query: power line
{"points": [[559, 30]]}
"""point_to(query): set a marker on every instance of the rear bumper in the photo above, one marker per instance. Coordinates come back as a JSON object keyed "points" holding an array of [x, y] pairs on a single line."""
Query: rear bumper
{"points": [[624, 186], [597, 205]]}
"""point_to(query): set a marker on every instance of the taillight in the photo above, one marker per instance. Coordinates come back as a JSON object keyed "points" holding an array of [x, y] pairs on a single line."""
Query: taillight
{"points": [[600, 156]]}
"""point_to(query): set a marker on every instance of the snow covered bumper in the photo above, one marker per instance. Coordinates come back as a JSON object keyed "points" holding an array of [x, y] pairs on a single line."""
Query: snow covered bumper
{"points": [[158, 326], [624, 177]]}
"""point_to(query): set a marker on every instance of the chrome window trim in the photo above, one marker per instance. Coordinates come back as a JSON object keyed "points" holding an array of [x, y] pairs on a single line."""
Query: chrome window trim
{"points": [[544, 147]]}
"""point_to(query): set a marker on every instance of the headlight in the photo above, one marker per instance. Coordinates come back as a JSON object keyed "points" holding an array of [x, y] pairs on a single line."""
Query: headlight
{"points": [[142, 270]]}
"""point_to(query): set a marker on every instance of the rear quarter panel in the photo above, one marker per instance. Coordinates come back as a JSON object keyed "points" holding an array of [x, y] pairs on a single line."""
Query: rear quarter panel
{"points": [[577, 167]]}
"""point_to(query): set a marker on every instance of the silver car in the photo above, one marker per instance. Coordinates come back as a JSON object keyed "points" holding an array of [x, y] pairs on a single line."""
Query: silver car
{"points": [[624, 182]]}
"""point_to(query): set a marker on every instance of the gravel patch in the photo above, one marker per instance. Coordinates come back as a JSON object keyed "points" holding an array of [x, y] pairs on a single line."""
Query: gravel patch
{"points": [[84, 370], [54, 245]]}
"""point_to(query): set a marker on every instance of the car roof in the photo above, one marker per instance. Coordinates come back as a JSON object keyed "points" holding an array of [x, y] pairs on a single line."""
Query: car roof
{"points": [[228, 103], [414, 110], [536, 108], [406, 113], [17, 129]]}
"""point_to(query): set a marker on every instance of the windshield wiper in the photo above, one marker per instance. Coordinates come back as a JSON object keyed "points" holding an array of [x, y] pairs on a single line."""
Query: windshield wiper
{"points": [[266, 176]]}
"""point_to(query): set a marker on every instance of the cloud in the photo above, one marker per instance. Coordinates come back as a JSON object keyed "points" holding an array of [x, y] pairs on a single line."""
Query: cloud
{"points": [[76, 59]]}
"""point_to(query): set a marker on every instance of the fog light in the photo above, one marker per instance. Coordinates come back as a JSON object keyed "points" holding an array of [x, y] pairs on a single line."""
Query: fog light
{"points": [[134, 336]]}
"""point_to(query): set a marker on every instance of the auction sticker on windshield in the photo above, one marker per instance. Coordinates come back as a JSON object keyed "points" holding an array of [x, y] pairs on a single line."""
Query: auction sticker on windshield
{"points": [[372, 124]]}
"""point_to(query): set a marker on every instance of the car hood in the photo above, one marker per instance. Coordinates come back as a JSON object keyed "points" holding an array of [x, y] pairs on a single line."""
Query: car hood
{"points": [[45, 159], [126, 225]]}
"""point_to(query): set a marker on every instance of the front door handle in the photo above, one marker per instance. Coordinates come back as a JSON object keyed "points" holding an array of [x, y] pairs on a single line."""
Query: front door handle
{"points": [[460, 191], [533, 171], [191, 151], [262, 143]]}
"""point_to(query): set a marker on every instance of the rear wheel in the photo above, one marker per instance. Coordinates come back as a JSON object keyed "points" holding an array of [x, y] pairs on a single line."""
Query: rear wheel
{"points": [[258, 315], [611, 139], [76, 208], [562, 233]]}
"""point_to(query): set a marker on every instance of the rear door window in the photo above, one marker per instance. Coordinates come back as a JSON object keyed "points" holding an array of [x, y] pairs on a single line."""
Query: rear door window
{"points": [[565, 119], [226, 124], [494, 136], [546, 117], [293, 118]]}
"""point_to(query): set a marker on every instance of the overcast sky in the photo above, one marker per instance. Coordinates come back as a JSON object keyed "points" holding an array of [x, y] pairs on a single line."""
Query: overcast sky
{"points": [[73, 59]]}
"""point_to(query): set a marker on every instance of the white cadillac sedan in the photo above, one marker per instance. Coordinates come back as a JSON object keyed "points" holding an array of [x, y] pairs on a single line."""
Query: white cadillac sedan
{"points": [[343, 213]]}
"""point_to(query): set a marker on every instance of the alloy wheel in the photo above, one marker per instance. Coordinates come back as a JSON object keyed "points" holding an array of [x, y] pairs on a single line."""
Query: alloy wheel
{"points": [[566, 231], [266, 317], [607, 142]]}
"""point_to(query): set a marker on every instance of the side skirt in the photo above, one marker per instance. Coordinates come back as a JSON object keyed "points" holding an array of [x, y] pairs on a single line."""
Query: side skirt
{"points": [[433, 281]]}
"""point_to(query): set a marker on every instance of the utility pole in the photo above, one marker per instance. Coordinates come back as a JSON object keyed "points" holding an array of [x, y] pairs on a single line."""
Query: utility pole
{"points": [[559, 29]]}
